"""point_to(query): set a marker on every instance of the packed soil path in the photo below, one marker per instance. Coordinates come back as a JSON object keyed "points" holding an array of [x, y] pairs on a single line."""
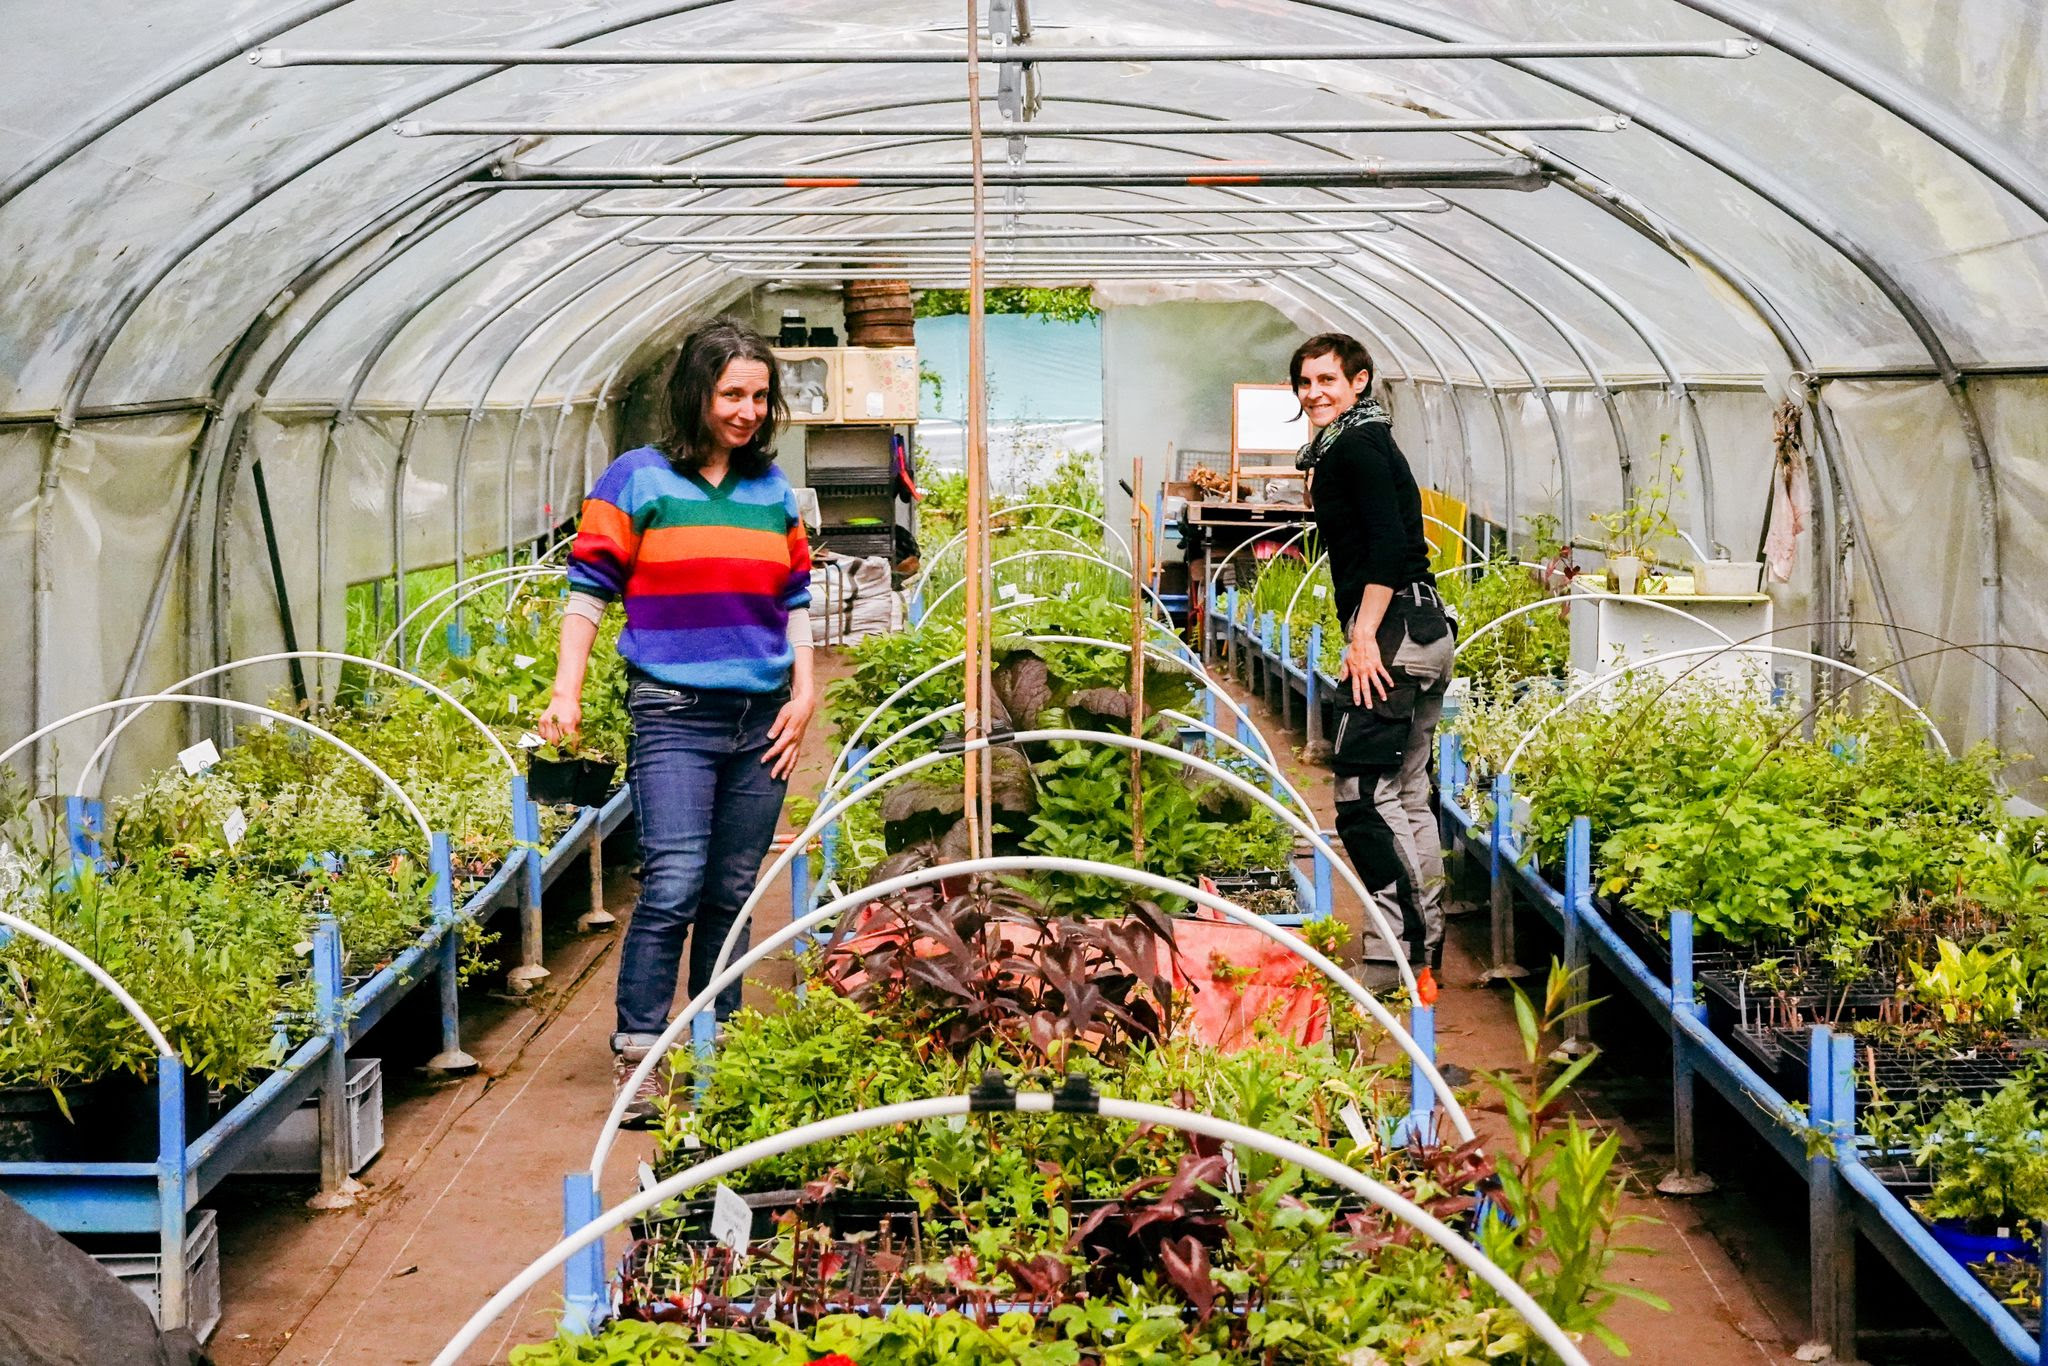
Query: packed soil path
{"points": [[468, 1188]]}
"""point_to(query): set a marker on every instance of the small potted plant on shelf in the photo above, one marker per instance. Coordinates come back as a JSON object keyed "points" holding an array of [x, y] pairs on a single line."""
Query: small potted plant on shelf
{"points": [[1990, 1174], [1633, 530]]}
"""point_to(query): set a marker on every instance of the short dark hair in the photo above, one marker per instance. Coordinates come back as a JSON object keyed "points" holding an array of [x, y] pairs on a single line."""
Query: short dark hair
{"points": [[692, 381], [1349, 351]]}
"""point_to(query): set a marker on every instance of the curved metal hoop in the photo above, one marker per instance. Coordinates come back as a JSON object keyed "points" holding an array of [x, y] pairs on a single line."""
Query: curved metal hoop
{"points": [[1594, 685], [924, 574], [1209, 588], [472, 583], [727, 974], [1151, 651], [535, 574], [1462, 537], [954, 586], [1026, 1102], [825, 815], [92, 770], [141, 699], [1566, 599]]}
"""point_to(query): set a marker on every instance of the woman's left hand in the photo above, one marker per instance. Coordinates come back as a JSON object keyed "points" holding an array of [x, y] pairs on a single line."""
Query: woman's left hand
{"points": [[786, 736]]}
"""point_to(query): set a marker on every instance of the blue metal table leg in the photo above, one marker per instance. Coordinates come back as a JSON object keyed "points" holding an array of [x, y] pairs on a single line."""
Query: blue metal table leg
{"points": [[583, 1296], [529, 972], [1501, 897], [451, 1061], [337, 1189], [1685, 1178], [171, 1179]]}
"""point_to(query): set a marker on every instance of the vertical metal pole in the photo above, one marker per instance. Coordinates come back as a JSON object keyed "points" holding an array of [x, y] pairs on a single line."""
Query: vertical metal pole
{"points": [[526, 830], [451, 1061], [1286, 685], [171, 1181], [1229, 629], [1312, 669], [1138, 569], [337, 1188], [583, 1293], [1685, 1178], [1325, 885], [597, 917], [1420, 1124], [284, 597], [1823, 1204], [1578, 899], [1842, 1118], [1500, 856]]}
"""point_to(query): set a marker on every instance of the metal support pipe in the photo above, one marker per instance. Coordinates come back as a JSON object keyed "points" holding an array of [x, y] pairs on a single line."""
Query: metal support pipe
{"points": [[1504, 173], [517, 128], [1161, 209], [1685, 1177], [866, 240], [273, 57]]}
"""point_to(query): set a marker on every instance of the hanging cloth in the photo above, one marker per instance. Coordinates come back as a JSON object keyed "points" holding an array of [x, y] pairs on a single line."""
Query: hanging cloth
{"points": [[1792, 500]]}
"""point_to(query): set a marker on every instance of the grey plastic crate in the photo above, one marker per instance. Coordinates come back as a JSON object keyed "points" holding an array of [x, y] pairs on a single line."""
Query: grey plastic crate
{"points": [[293, 1148], [142, 1272]]}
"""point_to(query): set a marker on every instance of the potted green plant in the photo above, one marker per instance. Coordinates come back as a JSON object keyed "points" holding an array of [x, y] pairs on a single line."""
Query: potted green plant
{"points": [[569, 773], [1990, 1174], [1633, 530]]}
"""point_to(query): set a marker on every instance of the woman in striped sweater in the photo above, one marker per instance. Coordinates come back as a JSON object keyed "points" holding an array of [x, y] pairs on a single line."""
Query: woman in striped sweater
{"points": [[701, 541]]}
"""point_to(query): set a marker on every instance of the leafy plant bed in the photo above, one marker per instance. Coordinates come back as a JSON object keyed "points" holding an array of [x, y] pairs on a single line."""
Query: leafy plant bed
{"points": [[2016, 1282]]}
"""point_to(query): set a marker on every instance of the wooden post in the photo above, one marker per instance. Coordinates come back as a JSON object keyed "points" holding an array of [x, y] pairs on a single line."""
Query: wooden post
{"points": [[1140, 563], [974, 690]]}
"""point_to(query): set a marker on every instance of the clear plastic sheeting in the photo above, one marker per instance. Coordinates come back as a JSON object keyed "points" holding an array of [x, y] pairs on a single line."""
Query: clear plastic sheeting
{"points": [[210, 263]]}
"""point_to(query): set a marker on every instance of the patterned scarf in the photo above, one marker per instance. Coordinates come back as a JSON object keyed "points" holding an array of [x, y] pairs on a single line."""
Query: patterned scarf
{"points": [[1367, 409]]}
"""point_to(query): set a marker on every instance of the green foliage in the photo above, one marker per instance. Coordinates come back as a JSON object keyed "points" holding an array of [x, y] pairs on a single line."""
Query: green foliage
{"points": [[1639, 525], [1536, 644], [1059, 303], [1988, 1159]]}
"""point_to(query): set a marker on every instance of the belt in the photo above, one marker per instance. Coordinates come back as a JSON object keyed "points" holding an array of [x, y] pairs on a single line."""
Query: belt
{"points": [[1421, 594]]}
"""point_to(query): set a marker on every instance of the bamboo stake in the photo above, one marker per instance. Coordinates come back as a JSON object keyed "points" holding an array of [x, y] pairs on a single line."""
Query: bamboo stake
{"points": [[1139, 565], [975, 685]]}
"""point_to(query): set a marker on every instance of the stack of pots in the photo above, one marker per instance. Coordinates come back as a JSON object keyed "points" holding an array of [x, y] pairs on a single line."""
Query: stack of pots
{"points": [[878, 313]]}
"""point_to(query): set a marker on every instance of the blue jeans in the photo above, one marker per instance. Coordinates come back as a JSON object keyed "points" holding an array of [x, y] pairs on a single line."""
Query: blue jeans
{"points": [[707, 808]]}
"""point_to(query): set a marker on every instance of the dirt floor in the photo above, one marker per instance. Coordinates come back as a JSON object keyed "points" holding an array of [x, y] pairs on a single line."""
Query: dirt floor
{"points": [[468, 1188]]}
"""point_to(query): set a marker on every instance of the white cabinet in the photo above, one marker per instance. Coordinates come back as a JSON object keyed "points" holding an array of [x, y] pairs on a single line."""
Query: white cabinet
{"points": [[1608, 632]]}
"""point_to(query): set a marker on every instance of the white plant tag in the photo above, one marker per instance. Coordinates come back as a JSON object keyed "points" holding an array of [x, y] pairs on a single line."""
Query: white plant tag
{"points": [[1233, 1179], [1007, 591], [523, 661], [1354, 1124], [234, 827], [199, 758], [732, 1223], [957, 1123], [530, 741], [648, 1180], [1319, 591]]}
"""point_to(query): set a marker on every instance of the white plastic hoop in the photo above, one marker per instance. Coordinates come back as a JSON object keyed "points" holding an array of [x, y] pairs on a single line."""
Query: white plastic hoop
{"points": [[390, 785], [534, 574], [1594, 685], [954, 586], [98, 974], [1566, 599], [484, 579], [92, 770], [924, 574], [909, 1112], [727, 974], [1209, 588]]}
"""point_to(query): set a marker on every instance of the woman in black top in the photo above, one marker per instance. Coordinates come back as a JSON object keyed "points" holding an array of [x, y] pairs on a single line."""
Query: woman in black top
{"points": [[1397, 655]]}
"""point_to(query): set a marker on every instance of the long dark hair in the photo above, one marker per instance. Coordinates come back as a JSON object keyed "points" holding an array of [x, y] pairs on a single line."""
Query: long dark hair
{"points": [[693, 379]]}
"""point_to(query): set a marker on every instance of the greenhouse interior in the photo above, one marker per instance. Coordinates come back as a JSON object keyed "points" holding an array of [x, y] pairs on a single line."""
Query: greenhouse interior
{"points": [[1257, 683]]}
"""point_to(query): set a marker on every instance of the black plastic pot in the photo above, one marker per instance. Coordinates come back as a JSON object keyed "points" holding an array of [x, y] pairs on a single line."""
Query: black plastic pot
{"points": [[570, 782], [33, 1127]]}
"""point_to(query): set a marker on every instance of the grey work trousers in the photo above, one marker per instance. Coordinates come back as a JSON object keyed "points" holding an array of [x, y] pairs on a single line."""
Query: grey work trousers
{"points": [[1387, 816]]}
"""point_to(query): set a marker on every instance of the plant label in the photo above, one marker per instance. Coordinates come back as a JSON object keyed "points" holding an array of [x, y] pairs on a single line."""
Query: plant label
{"points": [[957, 1123], [1007, 591], [530, 741], [234, 827], [648, 1180], [199, 757], [1319, 592], [1233, 1179], [523, 661], [732, 1223], [1354, 1124]]}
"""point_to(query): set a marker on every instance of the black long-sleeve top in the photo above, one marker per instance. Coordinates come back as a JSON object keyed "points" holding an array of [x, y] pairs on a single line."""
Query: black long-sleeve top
{"points": [[1369, 513]]}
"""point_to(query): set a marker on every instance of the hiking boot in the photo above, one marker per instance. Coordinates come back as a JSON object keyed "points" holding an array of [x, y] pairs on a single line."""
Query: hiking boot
{"points": [[643, 1110]]}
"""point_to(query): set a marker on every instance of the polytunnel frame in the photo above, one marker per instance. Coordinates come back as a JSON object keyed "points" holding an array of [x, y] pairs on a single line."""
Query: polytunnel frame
{"points": [[729, 972], [1455, 1245], [1595, 684], [483, 578], [1809, 50], [1582, 594], [405, 318]]}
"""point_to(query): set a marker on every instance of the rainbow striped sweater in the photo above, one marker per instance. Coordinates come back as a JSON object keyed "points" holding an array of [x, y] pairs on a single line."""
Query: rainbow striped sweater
{"points": [[709, 574]]}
